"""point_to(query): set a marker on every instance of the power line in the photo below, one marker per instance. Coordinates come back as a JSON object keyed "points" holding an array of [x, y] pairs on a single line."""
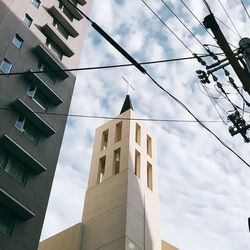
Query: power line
{"points": [[158, 17], [229, 18], [104, 67], [245, 8], [139, 67], [189, 30], [116, 118], [192, 13], [203, 125]]}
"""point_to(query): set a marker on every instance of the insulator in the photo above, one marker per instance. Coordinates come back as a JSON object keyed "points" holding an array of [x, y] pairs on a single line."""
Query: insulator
{"points": [[219, 85], [203, 63], [231, 80], [215, 78], [227, 73]]}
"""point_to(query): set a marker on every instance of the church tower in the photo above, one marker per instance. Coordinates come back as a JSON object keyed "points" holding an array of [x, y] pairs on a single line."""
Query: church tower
{"points": [[121, 209]]}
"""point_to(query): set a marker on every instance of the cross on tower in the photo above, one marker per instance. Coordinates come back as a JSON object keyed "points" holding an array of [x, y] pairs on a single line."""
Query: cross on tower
{"points": [[129, 86]]}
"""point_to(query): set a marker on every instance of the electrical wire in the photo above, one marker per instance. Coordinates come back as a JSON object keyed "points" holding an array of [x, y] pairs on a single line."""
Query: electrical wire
{"points": [[229, 18], [245, 8], [158, 17], [203, 125], [139, 67], [192, 13], [213, 101], [189, 30], [115, 118], [104, 67]]}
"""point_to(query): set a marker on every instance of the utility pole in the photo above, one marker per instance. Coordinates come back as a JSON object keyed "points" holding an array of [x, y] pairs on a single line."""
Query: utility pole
{"points": [[211, 23], [239, 125]]}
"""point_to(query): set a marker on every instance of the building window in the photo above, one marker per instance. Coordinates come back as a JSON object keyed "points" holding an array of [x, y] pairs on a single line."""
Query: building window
{"points": [[29, 130], [116, 161], [13, 167], [105, 135], [54, 49], [36, 3], [137, 164], [61, 29], [66, 11], [149, 176], [101, 170], [138, 134], [5, 66], [38, 97], [27, 20], [42, 66], [17, 41], [7, 220], [149, 146], [118, 132]]}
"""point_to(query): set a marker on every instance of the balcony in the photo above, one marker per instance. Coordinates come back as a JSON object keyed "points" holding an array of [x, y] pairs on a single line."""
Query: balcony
{"points": [[47, 91], [24, 109], [19, 209], [29, 161], [82, 2], [76, 14], [56, 13], [47, 57], [55, 36]]}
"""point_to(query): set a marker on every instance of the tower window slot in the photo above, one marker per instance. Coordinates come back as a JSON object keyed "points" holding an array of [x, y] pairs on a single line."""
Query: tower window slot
{"points": [[105, 135], [137, 164], [138, 134], [116, 161], [101, 170], [149, 146], [149, 176], [118, 132]]}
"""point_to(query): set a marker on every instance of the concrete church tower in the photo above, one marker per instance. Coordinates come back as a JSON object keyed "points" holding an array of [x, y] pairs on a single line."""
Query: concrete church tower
{"points": [[121, 209]]}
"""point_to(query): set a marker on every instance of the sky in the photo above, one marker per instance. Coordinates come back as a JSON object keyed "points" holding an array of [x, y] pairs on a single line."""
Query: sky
{"points": [[204, 188]]}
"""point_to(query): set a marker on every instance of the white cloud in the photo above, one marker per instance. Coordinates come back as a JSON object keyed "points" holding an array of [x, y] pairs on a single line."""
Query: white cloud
{"points": [[204, 189]]}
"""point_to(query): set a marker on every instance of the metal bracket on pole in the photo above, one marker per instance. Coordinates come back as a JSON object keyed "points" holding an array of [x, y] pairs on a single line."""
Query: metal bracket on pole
{"points": [[211, 23]]}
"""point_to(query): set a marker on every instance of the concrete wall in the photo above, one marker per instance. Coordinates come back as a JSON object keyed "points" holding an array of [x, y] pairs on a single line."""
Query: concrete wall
{"points": [[69, 239], [35, 194], [167, 246]]}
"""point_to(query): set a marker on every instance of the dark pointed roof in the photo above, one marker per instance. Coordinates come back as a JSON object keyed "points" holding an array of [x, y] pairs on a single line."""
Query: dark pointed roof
{"points": [[127, 104]]}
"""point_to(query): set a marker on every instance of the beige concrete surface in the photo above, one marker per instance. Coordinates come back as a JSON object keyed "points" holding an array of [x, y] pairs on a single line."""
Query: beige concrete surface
{"points": [[69, 239]]}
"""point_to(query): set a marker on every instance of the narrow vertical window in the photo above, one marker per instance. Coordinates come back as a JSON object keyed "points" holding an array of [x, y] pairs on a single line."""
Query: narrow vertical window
{"points": [[17, 41], [137, 164], [7, 220], [149, 176], [5, 66], [138, 134], [101, 170], [27, 20], [149, 145], [116, 161], [105, 135], [118, 132]]}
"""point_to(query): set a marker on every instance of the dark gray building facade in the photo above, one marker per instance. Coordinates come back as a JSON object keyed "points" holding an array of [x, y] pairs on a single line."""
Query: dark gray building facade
{"points": [[34, 36]]}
